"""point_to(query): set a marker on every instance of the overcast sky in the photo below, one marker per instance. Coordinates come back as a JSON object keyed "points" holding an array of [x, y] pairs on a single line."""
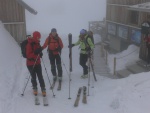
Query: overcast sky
{"points": [[68, 16]]}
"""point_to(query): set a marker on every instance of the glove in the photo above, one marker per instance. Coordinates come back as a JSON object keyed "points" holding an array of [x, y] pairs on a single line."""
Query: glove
{"points": [[31, 59], [58, 49], [71, 45], [38, 51], [88, 49], [41, 54]]}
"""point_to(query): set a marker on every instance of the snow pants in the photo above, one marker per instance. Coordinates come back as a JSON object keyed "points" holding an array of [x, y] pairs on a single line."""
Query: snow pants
{"points": [[36, 71], [148, 54], [55, 61], [82, 62]]}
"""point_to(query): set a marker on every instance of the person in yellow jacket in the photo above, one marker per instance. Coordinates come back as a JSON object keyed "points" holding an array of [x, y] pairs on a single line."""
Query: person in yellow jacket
{"points": [[86, 46]]}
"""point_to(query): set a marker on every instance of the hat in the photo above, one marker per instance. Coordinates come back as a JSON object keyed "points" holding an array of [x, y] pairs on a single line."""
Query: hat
{"points": [[82, 32], [36, 35], [53, 30]]}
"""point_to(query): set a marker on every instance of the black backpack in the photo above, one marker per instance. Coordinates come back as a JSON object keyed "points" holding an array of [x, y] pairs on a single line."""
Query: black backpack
{"points": [[23, 45]]}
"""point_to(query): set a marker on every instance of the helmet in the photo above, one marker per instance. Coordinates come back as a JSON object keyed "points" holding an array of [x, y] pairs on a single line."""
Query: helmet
{"points": [[82, 32], [36, 35], [53, 30]]}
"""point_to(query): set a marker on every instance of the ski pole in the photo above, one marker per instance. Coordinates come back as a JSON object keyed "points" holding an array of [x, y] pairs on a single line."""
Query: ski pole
{"points": [[88, 76], [64, 65], [89, 54], [70, 57], [68, 75], [48, 78], [69, 85], [29, 76]]}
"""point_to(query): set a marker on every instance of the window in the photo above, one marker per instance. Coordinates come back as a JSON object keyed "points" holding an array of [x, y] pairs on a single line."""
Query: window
{"points": [[134, 15]]}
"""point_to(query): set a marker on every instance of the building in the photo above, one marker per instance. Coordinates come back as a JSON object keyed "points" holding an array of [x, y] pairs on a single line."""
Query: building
{"points": [[12, 15], [123, 24]]}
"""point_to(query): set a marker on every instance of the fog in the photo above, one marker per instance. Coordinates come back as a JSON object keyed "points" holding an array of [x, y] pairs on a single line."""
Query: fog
{"points": [[67, 16]]}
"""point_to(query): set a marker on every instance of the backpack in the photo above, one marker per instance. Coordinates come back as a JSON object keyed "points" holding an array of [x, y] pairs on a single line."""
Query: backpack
{"points": [[23, 45], [86, 40]]}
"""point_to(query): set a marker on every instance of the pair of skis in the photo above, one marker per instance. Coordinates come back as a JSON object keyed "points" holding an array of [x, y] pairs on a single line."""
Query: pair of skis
{"points": [[37, 101], [84, 99]]}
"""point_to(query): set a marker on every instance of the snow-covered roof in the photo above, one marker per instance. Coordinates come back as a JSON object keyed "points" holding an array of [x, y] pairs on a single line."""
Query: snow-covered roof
{"points": [[26, 6], [145, 7]]}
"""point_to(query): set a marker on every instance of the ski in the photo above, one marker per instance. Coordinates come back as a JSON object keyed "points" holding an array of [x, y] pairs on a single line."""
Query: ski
{"points": [[36, 100], [93, 69], [84, 100], [78, 97], [45, 101]]}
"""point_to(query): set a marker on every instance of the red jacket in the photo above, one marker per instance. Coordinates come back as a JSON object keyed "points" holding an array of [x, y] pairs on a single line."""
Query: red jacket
{"points": [[53, 44], [147, 39], [30, 48]]}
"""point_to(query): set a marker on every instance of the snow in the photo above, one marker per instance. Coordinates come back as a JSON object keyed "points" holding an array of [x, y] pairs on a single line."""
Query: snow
{"points": [[126, 95], [145, 7], [125, 58]]}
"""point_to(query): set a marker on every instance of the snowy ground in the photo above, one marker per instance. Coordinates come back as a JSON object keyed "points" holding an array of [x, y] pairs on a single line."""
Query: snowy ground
{"points": [[127, 95]]}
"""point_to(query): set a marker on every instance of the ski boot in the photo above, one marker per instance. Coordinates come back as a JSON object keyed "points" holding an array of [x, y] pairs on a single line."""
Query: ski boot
{"points": [[35, 90], [84, 76], [43, 92], [59, 83], [54, 81]]}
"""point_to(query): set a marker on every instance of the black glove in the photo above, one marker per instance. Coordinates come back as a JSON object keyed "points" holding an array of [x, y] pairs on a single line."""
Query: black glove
{"points": [[31, 59], [58, 49], [41, 54], [71, 45], [88, 49], [38, 51]]}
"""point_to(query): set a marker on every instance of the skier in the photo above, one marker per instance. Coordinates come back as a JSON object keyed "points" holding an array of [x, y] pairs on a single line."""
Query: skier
{"points": [[55, 46], [86, 46], [147, 40], [33, 53]]}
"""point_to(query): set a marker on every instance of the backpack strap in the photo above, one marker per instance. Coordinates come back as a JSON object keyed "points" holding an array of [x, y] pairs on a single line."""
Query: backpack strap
{"points": [[32, 45], [86, 41], [49, 41]]}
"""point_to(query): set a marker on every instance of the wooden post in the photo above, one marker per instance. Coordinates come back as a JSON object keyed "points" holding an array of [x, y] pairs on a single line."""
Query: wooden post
{"points": [[106, 57], [102, 50], [115, 66]]}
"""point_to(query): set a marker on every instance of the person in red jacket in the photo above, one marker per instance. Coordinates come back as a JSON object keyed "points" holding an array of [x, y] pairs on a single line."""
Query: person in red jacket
{"points": [[55, 45], [147, 40], [33, 62]]}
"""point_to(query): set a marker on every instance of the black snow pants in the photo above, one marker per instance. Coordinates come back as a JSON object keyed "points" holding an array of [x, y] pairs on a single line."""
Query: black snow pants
{"points": [[82, 61], [36, 71], [55, 61]]}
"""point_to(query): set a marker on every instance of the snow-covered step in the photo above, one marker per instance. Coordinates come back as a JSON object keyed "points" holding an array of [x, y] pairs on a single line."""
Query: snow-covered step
{"points": [[136, 69], [123, 73], [100, 66]]}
